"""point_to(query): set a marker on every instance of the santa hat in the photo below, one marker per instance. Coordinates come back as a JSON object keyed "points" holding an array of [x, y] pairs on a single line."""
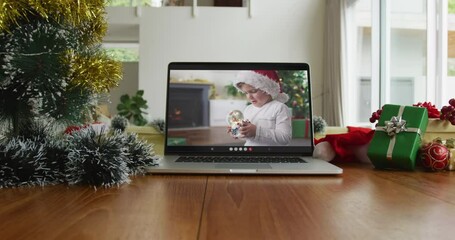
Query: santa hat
{"points": [[345, 147], [265, 80]]}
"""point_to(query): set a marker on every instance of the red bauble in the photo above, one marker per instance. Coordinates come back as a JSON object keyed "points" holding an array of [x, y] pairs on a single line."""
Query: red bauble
{"points": [[435, 156], [433, 112]]}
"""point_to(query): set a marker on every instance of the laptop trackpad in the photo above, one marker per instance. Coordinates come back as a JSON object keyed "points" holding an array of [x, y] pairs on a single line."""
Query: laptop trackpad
{"points": [[243, 165]]}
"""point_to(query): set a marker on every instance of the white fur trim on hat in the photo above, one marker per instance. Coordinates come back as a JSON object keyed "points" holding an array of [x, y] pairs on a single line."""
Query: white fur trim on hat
{"points": [[282, 97], [263, 83]]}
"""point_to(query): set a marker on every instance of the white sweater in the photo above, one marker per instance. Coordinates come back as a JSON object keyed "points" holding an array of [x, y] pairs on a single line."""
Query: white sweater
{"points": [[273, 124]]}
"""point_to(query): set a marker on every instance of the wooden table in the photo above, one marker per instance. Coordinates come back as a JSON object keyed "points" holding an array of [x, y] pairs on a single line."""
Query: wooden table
{"points": [[363, 203]]}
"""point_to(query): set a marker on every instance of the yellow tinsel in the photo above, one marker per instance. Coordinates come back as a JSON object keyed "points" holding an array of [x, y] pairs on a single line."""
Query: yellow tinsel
{"points": [[78, 13], [96, 72]]}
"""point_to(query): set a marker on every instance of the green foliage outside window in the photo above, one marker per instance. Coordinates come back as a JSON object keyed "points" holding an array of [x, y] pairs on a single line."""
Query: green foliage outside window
{"points": [[123, 54], [126, 3], [451, 6]]}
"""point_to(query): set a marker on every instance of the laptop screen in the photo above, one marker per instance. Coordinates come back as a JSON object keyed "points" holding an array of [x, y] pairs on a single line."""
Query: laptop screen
{"points": [[238, 108]]}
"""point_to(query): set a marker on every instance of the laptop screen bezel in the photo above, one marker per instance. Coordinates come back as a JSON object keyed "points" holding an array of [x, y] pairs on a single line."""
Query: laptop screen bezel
{"points": [[220, 150]]}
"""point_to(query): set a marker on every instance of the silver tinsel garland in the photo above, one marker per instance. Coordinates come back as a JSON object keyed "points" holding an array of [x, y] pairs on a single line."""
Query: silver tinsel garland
{"points": [[23, 163], [87, 157], [96, 159], [140, 154]]}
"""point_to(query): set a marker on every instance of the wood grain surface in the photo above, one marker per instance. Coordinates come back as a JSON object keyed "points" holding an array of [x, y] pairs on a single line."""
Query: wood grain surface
{"points": [[363, 203], [151, 207]]}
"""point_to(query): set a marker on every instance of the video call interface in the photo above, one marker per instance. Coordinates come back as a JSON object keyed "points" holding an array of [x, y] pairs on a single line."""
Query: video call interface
{"points": [[203, 105]]}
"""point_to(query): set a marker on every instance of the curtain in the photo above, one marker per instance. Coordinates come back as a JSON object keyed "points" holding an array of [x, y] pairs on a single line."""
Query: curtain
{"points": [[335, 55]]}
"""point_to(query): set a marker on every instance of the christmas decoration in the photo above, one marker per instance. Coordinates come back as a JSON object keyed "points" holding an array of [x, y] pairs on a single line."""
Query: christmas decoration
{"points": [[119, 123], [433, 112], [450, 144], [438, 128], [86, 16], [375, 116], [301, 128], [295, 84], [140, 154], [86, 155], [434, 156], [397, 137], [319, 124], [448, 112], [23, 162], [96, 159], [344, 147], [52, 64], [90, 70], [53, 71], [235, 120], [159, 125]]}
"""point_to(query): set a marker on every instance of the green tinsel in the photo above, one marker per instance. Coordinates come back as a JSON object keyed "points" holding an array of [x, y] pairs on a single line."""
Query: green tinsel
{"points": [[96, 159], [140, 154], [119, 123], [23, 162], [159, 125], [52, 69], [32, 82], [87, 15], [319, 124], [47, 50], [35, 157], [78, 106], [84, 157], [33, 53]]}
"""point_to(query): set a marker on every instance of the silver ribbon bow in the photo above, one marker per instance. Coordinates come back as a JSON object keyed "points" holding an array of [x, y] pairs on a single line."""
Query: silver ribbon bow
{"points": [[395, 126]]}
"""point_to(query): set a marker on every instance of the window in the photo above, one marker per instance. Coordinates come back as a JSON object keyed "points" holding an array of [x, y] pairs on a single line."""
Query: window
{"points": [[361, 92], [393, 55], [450, 80], [128, 3], [123, 52]]}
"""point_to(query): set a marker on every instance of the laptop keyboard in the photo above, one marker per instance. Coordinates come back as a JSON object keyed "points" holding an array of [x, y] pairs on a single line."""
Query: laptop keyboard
{"points": [[240, 159]]}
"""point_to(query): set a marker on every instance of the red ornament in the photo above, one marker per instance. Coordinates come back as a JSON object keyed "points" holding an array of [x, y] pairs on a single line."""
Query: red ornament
{"points": [[433, 112], [435, 156], [71, 129], [448, 112]]}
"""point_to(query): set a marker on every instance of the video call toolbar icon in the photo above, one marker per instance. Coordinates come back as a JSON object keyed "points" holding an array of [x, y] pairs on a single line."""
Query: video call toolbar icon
{"points": [[241, 149]]}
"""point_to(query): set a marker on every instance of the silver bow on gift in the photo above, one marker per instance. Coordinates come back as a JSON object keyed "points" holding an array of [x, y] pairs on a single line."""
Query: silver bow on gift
{"points": [[395, 126]]}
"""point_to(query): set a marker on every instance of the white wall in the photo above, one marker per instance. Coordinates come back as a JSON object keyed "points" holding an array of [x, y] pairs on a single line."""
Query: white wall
{"points": [[278, 31], [223, 79], [128, 85]]}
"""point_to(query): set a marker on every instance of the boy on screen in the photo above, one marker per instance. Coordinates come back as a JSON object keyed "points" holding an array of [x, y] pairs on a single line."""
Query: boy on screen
{"points": [[268, 119]]}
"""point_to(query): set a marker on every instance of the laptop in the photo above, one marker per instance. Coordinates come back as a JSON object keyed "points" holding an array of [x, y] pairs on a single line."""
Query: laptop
{"points": [[205, 104]]}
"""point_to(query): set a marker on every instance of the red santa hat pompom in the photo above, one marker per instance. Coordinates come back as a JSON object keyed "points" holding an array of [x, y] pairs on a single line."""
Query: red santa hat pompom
{"points": [[265, 80]]}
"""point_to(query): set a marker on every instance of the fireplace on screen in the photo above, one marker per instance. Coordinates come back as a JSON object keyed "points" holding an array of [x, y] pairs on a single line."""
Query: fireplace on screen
{"points": [[188, 105]]}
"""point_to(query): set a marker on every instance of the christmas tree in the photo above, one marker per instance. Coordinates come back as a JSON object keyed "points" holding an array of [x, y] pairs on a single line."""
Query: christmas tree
{"points": [[52, 74], [295, 84], [52, 65]]}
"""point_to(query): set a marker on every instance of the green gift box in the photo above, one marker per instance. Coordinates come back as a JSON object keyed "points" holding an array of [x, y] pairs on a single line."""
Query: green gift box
{"points": [[174, 141], [301, 128], [397, 138]]}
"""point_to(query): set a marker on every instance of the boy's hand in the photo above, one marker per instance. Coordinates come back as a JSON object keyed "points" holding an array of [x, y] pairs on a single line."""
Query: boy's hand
{"points": [[248, 129]]}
